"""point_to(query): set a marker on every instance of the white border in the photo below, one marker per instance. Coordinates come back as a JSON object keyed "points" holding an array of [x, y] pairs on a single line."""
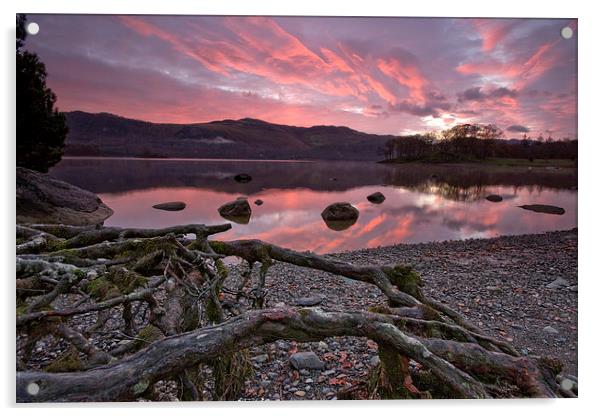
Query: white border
{"points": [[590, 152]]}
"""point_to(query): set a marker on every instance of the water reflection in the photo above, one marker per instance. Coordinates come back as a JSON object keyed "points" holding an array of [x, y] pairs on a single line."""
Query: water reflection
{"points": [[423, 203]]}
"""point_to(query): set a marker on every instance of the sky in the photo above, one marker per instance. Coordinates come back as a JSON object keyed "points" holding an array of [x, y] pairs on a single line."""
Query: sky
{"points": [[377, 75]]}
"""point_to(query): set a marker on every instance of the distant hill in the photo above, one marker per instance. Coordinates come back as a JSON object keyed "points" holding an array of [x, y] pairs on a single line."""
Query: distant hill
{"points": [[106, 134]]}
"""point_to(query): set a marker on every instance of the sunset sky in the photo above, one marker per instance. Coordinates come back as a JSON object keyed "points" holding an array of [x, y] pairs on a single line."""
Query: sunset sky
{"points": [[378, 75]]}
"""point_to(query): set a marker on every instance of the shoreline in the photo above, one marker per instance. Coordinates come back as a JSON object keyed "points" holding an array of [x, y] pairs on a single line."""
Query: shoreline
{"points": [[500, 284]]}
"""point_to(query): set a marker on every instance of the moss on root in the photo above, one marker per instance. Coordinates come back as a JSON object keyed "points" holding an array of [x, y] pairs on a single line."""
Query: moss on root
{"points": [[117, 282], [101, 289], [147, 336], [230, 372], [68, 362], [219, 247], [405, 279], [222, 270]]}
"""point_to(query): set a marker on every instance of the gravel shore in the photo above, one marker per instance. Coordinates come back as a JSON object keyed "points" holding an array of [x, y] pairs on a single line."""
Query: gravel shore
{"points": [[520, 288]]}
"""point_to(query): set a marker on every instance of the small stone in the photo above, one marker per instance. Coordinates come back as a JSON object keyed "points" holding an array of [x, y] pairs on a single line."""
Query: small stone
{"points": [[260, 358], [557, 284], [546, 209], [309, 381], [374, 361], [328, 372], [309, 301], [300, 393], [567, 385], [243, 178], [494, 198], [306, 360], [171, 206], [258, 202], [376, 198], [550, 330]]}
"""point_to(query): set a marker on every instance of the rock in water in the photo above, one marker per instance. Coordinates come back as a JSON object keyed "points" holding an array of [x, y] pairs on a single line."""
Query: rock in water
{"points": [[546, 209], [494, 198], [44, 199], [243, 178], [171, 206], [340, 216], [306, 361], [376, 198], [238, 211], [258, 202], [340, 211]]}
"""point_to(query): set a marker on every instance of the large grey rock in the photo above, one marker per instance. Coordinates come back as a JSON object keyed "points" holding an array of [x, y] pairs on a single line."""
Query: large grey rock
{"points": [[42, 198], [340, 211], [171, 206], [340, 216], [306, 361], [238, 211]]}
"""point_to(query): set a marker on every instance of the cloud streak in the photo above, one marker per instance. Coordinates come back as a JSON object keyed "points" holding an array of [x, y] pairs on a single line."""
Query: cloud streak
{"points": [[375, 75]]}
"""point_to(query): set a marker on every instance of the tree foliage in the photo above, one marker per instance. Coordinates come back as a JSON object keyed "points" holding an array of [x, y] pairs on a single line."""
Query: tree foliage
{"points": [[466, 142], [41, 128]]}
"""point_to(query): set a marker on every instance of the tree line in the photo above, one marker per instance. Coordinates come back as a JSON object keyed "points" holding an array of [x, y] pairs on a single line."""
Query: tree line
{"points": [[468, 142]]}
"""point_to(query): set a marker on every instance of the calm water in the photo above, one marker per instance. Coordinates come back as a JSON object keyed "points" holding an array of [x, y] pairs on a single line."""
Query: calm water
{"points": [[424, 203]]}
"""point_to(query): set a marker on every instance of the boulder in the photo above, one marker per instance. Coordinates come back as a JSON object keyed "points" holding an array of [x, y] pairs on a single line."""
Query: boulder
{"points": [[42, 198], [306, 361], [376, 198], [171, 206], [340, 216], [546, 209], [340, 211], [494, 198], [238, 211], [258, 202], [243, 178]]}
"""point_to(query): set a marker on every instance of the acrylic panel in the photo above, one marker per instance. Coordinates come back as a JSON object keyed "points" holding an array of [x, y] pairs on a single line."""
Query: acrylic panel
{"points": [[295, 208]]}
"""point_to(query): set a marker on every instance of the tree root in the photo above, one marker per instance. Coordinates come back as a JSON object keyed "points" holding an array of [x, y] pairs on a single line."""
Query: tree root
{"points": [[175, 287]]}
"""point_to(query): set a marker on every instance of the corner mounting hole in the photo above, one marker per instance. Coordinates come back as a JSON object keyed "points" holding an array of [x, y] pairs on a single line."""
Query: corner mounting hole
{"points": [[33, 389], [32, 28], [566, 32]]}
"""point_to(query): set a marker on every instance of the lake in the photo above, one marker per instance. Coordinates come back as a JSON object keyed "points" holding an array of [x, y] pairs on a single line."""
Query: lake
{"points": [[423, 202]]}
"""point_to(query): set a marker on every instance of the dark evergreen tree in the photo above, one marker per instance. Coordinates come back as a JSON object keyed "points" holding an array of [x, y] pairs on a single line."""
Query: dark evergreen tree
{"points": [[41, 128]]}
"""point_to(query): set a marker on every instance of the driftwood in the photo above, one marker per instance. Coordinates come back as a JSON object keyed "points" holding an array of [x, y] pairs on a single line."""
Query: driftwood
{"points": [[176, 315]]}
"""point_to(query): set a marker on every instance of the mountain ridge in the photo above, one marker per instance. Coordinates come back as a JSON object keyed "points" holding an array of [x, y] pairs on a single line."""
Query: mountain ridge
{"points": [[107, 134]]}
